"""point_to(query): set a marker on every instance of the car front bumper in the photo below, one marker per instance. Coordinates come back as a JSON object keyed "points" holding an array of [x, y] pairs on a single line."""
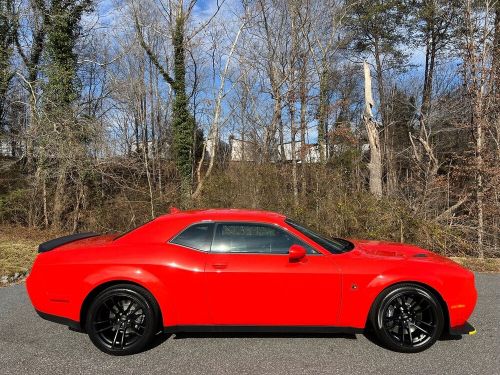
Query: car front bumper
{"points": [[464, 329]]}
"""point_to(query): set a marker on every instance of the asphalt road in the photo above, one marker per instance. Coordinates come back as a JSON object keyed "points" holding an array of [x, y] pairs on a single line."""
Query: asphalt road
{"points": [[30, 345]]}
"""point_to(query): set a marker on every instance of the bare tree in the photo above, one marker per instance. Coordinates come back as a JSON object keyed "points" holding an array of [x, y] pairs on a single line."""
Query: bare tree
{"points": [[375, 165]]}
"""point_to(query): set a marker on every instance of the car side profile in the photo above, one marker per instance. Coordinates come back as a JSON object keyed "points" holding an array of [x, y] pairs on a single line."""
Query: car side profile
{"points": [[243, 270]]}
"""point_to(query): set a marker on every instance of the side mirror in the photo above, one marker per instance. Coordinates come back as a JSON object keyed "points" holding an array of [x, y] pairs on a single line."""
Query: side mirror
{"points": [[296, 253]]}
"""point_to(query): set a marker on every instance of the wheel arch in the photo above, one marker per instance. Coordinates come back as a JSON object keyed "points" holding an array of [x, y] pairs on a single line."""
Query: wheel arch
{"points": [[424, 285], [99, 288]]}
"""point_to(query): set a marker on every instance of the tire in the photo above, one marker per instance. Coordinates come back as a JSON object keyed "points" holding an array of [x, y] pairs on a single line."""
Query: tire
{"points": [[122, 319], [407, 318]]}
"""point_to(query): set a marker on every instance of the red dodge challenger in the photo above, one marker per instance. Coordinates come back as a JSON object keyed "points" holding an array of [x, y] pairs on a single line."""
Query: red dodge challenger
{"points": [[241, 270]]}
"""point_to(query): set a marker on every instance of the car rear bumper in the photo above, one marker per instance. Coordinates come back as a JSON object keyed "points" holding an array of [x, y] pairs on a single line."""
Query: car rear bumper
{"points": [[464, 329]]}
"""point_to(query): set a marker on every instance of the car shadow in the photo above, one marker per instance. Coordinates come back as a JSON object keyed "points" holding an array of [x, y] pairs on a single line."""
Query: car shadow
{"points": [[370, 336], [215, 335], [450, 337], [161, 337]]}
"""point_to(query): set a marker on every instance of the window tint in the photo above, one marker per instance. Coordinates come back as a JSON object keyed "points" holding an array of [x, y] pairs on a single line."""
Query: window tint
{"points": [[254, 238], [197, 236]]}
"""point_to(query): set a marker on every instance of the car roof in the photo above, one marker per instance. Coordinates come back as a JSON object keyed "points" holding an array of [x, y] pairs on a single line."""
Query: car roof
{"points": [[182, 218], [223, 214]]}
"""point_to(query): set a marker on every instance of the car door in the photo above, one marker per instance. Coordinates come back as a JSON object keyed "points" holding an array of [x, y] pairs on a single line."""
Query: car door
{"points": [[184, 276], [251, 280]]}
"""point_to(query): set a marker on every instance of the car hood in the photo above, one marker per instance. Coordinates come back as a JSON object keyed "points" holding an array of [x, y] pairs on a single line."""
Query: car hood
{"points": [[383, 249]]}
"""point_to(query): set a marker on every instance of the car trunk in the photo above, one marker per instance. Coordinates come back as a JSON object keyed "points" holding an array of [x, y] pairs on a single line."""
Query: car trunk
{"points": [[75, 241]]}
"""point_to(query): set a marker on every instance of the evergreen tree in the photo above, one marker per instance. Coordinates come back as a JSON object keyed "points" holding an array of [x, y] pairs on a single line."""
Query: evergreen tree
{"points": [[378, 30], [435, 25]]}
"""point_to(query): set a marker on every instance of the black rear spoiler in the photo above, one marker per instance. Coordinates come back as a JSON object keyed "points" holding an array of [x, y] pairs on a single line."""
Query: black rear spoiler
{"points": [[56, 242]]}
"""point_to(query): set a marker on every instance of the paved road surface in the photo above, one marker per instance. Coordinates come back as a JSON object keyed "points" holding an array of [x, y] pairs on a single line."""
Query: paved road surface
{"points": [[30, 345]]}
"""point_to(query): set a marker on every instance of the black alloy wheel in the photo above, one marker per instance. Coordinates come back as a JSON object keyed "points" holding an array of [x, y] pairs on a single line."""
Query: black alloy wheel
{"points": [[122, 319], [407, 318]]}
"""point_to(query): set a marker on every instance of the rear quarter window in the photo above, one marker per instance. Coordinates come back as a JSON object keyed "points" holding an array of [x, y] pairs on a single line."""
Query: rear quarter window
{"points": [[197, 236]]}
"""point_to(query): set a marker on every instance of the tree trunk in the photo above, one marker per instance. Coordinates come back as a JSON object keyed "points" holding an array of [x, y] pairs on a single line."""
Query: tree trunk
{"points": [[183, 122], [375, 165], [479, 189], [430, 61], [59, 198], [387, 150], [293, 147], [276, 123], [303, 122], [183, 125], [213, 135], [323, 112], [292, 99]]}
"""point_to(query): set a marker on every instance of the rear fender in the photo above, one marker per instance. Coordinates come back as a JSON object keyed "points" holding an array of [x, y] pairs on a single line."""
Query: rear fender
{"points": [[137, 275]]}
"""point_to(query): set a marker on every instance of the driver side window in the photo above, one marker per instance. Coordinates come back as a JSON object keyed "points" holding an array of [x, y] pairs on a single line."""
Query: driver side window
{"points": [[254, 238]]}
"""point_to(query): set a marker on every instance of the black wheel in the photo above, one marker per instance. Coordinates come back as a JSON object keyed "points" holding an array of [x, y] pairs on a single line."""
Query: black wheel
{"points": [[122, 319], [407, 318]]}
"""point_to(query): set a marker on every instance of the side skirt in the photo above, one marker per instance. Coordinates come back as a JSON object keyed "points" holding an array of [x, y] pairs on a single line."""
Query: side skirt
{"points": [[73, 325], [261, 329]]}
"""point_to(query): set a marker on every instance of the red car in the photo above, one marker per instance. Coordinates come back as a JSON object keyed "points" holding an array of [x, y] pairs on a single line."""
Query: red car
{"points": [[241, 270]]}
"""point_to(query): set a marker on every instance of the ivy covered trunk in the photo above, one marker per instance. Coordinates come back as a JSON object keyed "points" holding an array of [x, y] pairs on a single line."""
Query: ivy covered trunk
{"points": [[7, 30], [183, 122], [64, 135]]}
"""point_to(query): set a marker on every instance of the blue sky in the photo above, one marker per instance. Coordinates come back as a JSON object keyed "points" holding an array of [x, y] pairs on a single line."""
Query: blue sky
{"points": [[106, 13]]}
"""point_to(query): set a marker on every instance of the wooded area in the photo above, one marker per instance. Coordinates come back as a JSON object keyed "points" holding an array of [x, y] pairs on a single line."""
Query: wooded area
{"points": [[362, 118]]}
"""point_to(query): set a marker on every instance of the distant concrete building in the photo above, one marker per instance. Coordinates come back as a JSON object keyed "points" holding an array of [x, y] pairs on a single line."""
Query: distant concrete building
{"points": [[5, 149], [223, 151], [308, 153], [140, 148], [243, 150], [8, 148]]}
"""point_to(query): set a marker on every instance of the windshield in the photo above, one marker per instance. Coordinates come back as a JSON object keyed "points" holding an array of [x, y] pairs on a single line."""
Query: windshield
{"points": [[334, 245]]}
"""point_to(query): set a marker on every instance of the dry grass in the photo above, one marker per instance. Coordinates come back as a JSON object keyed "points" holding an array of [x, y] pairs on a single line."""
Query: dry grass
{"points": [[18, 248], [479, 265]]}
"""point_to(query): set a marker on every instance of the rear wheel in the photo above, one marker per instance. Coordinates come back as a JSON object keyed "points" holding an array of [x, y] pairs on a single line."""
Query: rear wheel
{"points": [[122, 319], [407, 318]]}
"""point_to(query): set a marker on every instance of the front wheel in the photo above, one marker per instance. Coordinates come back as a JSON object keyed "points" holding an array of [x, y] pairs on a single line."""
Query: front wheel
{"points": [[122, 319], [407, 318]]}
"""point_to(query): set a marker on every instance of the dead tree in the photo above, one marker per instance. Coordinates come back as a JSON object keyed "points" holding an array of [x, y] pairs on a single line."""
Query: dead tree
{"points": [[375, 165]]}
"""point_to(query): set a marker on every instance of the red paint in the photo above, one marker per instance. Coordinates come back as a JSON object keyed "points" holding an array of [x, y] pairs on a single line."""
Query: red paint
{"points": [[198, 288]]}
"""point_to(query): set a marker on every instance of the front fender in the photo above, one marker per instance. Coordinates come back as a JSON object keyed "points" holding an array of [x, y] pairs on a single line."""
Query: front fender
{"points": [[360, 292]]}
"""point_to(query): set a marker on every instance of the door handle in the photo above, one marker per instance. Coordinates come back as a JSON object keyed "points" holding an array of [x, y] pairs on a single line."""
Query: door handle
{"points": [[219, 266]]}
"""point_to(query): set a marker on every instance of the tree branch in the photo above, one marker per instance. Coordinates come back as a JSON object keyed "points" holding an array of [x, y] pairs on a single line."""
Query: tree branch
{"points": [[150, 53]]}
